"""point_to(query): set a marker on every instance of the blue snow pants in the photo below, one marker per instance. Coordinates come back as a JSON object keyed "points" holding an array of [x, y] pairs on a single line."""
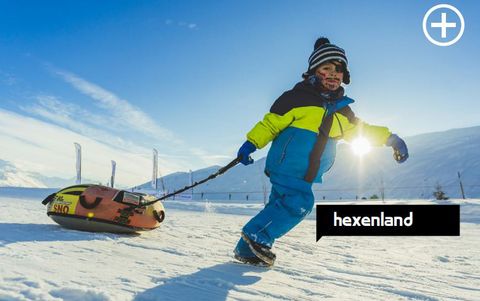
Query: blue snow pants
{"points": [[290, 201]]}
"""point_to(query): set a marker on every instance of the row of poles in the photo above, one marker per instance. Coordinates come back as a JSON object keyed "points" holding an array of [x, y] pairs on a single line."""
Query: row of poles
{"points": [[78, 165], [155, 172]]}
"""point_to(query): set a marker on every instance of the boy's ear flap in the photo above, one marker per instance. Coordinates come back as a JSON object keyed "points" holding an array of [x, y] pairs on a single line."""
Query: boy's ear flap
{"points": [[346, 76]]}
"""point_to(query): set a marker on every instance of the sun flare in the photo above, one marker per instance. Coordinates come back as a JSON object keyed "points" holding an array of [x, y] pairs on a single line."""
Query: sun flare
{"points": [[360, 146]]}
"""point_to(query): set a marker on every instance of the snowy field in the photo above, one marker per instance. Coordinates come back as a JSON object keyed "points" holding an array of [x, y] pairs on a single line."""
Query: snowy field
{"points": [[189, 258]]}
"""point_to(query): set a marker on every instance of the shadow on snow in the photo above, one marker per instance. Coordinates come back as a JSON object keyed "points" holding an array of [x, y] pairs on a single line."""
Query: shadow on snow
{"points": [[211, 283], [16, 232]]}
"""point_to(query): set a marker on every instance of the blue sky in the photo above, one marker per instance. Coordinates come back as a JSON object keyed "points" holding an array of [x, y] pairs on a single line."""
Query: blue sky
{"points": [[192, 77]]}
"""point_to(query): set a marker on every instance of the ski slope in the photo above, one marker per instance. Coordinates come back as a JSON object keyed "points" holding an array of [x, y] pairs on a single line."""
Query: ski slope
{"points": [[189, 258]]}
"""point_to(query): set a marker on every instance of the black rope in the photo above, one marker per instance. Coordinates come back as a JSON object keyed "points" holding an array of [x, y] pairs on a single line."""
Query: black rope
{"points": [[210, 177]]}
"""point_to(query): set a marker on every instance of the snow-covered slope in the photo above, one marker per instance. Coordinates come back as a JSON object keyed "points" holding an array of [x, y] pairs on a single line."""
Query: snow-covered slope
{"points": [[189, 258], [12, 176], [434, 158]]}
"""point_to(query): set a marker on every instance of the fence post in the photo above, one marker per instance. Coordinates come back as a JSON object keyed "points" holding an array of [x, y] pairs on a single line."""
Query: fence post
{"points": [[461, 185]]}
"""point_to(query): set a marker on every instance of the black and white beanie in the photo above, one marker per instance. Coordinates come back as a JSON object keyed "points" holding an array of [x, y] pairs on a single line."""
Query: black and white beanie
{"points": [[323, 51]]}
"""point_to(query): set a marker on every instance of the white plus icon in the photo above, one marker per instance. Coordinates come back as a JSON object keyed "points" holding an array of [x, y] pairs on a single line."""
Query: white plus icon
{"points": [[444, 25]]}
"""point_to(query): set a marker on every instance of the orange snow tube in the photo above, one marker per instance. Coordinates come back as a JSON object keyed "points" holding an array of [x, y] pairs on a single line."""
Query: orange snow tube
{"points": [[103, 209]]}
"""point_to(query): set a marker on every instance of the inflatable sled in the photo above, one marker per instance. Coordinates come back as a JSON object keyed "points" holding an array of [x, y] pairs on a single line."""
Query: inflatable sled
{"points": [[103, 209]]}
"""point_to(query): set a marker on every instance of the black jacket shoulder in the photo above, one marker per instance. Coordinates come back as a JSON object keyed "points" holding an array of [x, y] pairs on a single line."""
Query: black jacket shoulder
{"points": [[302, 95]]}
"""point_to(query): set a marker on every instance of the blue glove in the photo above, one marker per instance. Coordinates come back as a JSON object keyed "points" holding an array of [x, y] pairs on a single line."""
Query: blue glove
{"points": [[244, 152], [400, 151]]}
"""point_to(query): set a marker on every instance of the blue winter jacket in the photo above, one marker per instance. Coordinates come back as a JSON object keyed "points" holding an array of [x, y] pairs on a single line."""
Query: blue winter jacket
{"points": [[293, 124]]}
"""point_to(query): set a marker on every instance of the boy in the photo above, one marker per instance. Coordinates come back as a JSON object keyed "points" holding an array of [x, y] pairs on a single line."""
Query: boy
{"points": [[305, 124]]}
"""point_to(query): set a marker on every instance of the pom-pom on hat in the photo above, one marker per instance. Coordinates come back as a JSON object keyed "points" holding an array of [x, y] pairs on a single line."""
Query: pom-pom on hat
{"points": [[324, 51]]}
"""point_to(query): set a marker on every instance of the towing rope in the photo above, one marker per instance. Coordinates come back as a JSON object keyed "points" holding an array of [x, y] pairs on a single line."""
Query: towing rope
{"points": [[210, 177]]}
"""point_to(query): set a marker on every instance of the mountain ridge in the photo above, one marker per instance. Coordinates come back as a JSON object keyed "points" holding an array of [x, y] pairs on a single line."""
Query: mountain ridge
{"points": [[435, 158]]}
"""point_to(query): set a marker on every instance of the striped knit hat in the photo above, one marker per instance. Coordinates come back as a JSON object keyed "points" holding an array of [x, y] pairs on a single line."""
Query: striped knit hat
{"points": [[323, 52]]}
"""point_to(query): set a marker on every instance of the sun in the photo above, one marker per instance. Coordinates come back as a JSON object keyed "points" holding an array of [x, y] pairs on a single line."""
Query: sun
{"points": [[360, 146]]}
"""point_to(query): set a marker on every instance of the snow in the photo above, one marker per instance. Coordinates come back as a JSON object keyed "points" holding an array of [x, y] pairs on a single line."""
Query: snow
{"points": [[189, 258], [12, 176]]}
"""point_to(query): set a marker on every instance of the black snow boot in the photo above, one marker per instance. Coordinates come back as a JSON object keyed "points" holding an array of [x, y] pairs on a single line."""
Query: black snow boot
{"points": [[251, 261], [261, 251]]}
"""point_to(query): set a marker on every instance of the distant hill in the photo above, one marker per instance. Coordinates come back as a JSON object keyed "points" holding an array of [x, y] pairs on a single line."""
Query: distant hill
{"points": [[435, 158], [11, 176]]}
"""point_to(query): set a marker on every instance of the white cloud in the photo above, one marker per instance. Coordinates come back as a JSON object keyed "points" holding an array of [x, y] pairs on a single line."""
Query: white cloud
{"points": [[37, 146], [120, 109], [109, 128], [188, 25], [98, 127], [129, 116]]}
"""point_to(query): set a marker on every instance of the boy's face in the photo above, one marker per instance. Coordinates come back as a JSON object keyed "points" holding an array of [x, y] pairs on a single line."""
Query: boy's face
{"points": [[330, 74]]}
